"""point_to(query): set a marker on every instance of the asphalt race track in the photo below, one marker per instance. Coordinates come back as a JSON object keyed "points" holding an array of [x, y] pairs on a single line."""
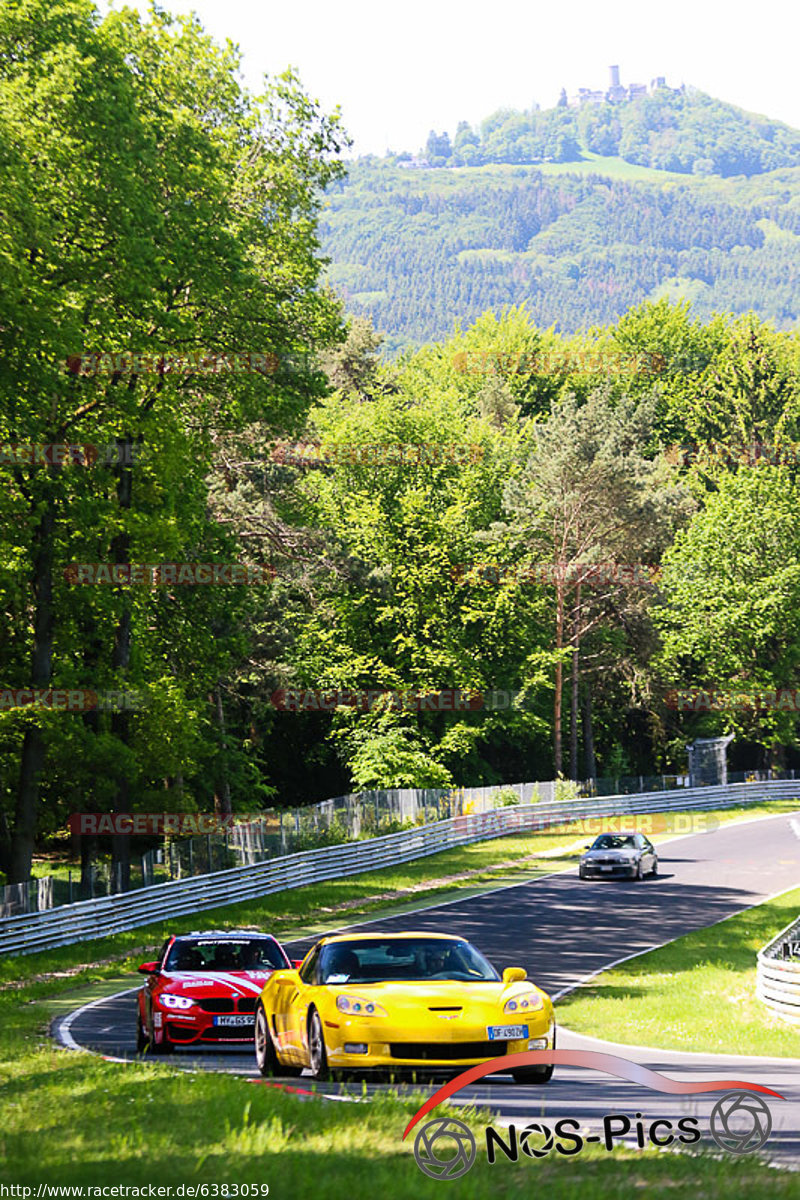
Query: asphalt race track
{"points": [[562, 929]]}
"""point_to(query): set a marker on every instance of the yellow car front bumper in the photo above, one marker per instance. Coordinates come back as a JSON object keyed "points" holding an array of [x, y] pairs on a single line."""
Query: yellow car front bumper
{"points": [[361, 1045]]}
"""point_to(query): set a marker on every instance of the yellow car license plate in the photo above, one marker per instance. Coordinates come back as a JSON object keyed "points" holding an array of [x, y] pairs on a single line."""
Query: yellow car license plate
{"points": [[506, 1033]]}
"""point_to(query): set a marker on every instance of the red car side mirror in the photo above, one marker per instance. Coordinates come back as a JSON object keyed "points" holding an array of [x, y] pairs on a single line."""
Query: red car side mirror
{"points": [[297, 962], [151, 968]]}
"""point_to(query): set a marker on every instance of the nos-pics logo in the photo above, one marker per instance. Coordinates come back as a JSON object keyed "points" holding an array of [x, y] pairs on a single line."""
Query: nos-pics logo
{"points": [[445, 1148]]}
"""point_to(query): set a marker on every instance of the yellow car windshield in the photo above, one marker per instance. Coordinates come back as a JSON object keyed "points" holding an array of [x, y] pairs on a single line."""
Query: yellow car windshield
{"points": [[403, 960]]}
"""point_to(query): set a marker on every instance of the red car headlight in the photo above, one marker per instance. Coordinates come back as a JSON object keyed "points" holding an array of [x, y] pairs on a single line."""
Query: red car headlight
{"points": [[168, 1000]]}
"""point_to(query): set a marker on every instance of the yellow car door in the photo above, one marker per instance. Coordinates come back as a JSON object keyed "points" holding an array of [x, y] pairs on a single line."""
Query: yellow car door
{"points": [[294, 998], [284, 988]]}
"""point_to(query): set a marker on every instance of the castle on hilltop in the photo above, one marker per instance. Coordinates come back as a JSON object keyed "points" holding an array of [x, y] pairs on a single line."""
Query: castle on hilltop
{"points": [[617, 92]]}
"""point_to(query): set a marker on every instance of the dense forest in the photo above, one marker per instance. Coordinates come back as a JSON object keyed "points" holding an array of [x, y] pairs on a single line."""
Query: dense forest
{"points": [[418, 251], [503, 554]]}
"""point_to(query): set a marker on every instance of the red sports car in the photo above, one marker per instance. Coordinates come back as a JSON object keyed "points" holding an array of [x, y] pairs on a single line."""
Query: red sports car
{"points": [[203, 989]]}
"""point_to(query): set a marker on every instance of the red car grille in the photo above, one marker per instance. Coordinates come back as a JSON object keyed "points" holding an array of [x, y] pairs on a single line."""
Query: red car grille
{"points": [[221, 1005], [224, 1033], [216, 1005], [217, 1033]]}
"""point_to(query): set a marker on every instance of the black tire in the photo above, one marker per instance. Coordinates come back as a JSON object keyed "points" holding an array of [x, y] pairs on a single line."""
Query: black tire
{"points": [[654, 871], [142, 1040], [165, 1046], [317, 1053], [581, 873], [266, 1058], [535, 1075], [639, 876]]}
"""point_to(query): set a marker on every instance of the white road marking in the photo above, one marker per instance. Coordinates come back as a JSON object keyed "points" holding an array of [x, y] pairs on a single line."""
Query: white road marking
{"points": [[64, 1026]]}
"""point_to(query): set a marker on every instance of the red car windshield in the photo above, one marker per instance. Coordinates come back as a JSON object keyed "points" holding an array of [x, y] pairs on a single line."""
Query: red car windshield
{"points": [[225, 954]]}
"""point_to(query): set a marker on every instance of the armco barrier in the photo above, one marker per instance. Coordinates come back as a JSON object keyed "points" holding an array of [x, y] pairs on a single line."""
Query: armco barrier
{"points": [[98, 918], [778, 974]]}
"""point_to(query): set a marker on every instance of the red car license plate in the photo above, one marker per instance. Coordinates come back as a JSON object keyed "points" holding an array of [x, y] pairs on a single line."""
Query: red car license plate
{"points": [[240, 1021]]}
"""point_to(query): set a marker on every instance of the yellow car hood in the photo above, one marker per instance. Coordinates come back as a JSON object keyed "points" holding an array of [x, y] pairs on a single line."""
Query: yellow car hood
{"points": [[417, 999]]}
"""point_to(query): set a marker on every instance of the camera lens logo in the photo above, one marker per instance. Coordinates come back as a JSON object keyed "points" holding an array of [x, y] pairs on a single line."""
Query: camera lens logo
{"points": [[536, 1140], [740, 1122], [444, 1148]]}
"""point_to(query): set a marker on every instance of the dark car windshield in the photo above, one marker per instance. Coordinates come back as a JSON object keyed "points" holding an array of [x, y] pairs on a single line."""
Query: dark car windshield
{"points": [[225, 954], [400, 959], [613, 841]]}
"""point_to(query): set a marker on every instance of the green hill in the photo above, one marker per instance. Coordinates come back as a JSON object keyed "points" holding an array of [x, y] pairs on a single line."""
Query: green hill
{"points": [[682, 130], [579, 240]]}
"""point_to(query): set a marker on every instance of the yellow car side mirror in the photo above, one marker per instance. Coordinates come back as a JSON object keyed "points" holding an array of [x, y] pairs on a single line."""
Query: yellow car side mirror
{"points": [[514, 974]]}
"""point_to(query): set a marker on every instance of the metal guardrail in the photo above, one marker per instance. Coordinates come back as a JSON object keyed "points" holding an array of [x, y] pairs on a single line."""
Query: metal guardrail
{"points": [[778, 974], [358, 815], [92, 919]]}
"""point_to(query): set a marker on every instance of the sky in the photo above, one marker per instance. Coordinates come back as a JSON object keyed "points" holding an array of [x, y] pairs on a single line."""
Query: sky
{"points": [[398, 71]]}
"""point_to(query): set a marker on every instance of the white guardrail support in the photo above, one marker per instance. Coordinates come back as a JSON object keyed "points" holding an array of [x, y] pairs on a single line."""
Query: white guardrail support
{"points": [[778, 974], [91, 919]]}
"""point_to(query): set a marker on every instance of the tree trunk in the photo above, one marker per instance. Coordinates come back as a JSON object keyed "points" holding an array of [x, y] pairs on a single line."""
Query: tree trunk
{"points": [[88, 856], [559, 676], [120, 661], [222, 796], [574, 709], [590, 765], [33, 747]]}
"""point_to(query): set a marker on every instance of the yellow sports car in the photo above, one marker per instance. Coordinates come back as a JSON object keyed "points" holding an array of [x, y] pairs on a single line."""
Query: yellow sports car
{"points": [[402, 1000]]}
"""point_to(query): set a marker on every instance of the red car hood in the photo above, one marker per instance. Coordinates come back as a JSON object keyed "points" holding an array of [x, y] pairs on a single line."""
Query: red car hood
{"points": [[234, 984]]}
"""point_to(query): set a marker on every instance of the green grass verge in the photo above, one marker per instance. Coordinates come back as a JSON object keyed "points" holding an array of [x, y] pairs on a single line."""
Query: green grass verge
{"points": [[74, 1119], [698, 993]]}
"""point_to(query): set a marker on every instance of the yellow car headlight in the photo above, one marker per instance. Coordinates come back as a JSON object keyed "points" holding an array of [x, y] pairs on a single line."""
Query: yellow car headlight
{"points": [[523, 1003], [357, 1006]]}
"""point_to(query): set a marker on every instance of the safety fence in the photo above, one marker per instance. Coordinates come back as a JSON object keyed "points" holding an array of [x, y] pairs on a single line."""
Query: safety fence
{"points": [[90, 919], [278, 832], [778, 974]]}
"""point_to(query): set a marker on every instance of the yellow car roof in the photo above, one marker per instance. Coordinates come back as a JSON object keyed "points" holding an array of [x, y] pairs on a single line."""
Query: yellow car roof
{"points": [[371, 937]]}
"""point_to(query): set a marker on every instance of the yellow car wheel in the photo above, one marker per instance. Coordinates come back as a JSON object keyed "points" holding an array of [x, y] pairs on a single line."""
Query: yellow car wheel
{"points": [[535, 1074], [317, 1053], [266, 1058]]}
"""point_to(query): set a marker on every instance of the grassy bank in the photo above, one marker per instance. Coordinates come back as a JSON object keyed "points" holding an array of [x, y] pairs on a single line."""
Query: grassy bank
{"points": [[696, 994], [73, 1118]]}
